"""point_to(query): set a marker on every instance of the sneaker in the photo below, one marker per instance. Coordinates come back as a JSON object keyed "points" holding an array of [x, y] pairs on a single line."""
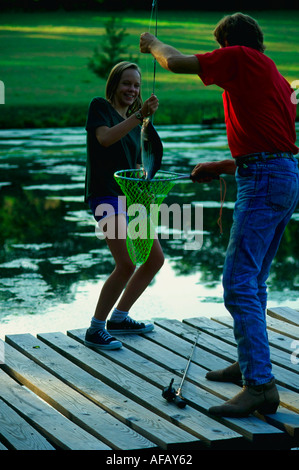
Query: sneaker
{"points": [[101, 339], [128, 325]]}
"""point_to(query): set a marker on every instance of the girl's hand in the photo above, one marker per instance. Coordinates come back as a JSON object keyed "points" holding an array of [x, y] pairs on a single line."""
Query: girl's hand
{"points": [[150, 106]]}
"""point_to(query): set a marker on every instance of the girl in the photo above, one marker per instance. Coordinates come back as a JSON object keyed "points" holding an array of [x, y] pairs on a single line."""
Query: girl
{"points": [[113, 143]]}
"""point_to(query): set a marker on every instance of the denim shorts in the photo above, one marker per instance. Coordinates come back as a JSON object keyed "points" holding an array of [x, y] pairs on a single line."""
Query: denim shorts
{"points": [[106, 206]]}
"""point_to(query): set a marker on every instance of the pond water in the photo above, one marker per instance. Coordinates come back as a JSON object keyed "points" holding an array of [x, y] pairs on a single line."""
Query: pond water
{"points": [[52, 264]]}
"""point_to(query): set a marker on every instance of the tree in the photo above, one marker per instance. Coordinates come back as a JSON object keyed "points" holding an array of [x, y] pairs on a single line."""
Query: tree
{"points": [[114, 50]]}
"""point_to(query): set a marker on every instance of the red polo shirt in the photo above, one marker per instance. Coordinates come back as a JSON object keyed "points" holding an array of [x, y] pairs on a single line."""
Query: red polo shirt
{"points": [[259, 113]]}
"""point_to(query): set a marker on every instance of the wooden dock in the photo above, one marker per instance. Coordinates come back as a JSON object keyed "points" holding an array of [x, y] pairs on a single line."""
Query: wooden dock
{"points": [[57, 394]]}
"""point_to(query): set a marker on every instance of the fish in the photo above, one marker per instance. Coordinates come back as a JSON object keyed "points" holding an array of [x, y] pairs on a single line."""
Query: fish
{"points": [[151, 149]]}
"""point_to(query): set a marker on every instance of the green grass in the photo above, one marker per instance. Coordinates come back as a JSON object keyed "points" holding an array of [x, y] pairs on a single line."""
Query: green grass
{"points": [[43, 63]]}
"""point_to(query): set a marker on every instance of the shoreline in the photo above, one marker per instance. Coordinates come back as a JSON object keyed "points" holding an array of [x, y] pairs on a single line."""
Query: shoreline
{"points": [[74, 115]]}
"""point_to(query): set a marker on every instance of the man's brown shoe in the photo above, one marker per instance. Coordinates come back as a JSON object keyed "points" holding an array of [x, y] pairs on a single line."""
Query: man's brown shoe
{"points": [[229, 374], [262, 398]]}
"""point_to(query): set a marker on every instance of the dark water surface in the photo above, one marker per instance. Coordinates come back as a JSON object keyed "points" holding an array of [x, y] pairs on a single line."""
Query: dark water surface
{"points": [[52, 265]]}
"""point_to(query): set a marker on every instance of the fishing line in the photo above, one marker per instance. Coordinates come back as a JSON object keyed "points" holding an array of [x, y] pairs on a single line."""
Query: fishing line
{"points": [[155, 9], [144, 188], [153, 17], [178, 176]]}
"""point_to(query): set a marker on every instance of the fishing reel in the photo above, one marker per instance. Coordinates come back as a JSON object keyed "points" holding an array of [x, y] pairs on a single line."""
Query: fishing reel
{"points": [[171, 395]]}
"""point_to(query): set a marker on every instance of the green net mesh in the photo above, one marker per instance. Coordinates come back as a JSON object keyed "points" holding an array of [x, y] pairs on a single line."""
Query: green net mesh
{"points": [[144, 198]]}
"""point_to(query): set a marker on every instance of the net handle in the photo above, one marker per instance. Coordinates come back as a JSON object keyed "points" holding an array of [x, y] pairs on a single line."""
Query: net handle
{"points": [[172, 176]]}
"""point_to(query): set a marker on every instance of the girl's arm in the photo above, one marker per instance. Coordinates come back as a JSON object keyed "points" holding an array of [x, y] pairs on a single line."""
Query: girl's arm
{"points": [[109, 135]]}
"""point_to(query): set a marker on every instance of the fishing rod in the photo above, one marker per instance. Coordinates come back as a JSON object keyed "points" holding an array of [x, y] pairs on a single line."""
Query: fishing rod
{"points": [[172, 395], [149, 123], [173, 176]]}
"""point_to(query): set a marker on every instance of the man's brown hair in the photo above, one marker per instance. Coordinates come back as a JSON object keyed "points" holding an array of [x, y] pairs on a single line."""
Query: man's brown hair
{"points": [[239, 30]]}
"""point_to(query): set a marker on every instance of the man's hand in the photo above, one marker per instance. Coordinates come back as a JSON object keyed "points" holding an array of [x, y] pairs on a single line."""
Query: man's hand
{"points": [[146, 41], [205, 172], [208, 171], [167, 56]]}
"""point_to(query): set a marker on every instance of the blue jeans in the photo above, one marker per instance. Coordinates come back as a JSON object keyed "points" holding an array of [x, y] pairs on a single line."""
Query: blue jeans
{"points": [[268, 193]]}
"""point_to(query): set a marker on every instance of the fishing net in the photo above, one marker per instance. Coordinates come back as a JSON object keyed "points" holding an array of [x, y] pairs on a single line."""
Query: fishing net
{"points": [[144, 198]]}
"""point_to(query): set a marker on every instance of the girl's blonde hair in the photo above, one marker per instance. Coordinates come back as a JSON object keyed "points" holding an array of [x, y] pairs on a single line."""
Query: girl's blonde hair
{"points": [[114, 79]]}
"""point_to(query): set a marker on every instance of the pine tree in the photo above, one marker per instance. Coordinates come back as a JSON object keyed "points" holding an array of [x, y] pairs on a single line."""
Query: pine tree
{"points": [[114, 50]]}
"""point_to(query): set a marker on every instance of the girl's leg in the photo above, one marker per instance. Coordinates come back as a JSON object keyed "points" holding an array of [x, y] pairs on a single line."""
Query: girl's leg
{"points": [[96, 335], [142, 277], [124, 268], [124, 279]]}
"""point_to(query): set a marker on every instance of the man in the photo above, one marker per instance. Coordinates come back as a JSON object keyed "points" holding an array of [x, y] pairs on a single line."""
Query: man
{"points": [[260, 117]]}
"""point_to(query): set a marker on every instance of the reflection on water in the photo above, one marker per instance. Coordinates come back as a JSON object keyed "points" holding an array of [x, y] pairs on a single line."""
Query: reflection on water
{"points": [[52, 265]]}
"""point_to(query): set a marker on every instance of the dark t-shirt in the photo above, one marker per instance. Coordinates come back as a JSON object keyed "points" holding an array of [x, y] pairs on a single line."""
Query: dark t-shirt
{"points": [[103, 162]]}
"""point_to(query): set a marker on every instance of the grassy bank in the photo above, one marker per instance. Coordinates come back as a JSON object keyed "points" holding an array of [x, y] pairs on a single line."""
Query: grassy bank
{"points": [[47, 83]]}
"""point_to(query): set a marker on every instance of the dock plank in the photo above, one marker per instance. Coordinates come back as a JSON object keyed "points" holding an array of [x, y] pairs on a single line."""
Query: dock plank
{"points": [[273, 324], [180, 346], [288, 397], [60, 431], [185, 337], [251, 428], [106, 366], [283, 369], [17, 433], [219, 336], [163, 433], [285, 314], [276, 340], [71, 403], [55, 393]]}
